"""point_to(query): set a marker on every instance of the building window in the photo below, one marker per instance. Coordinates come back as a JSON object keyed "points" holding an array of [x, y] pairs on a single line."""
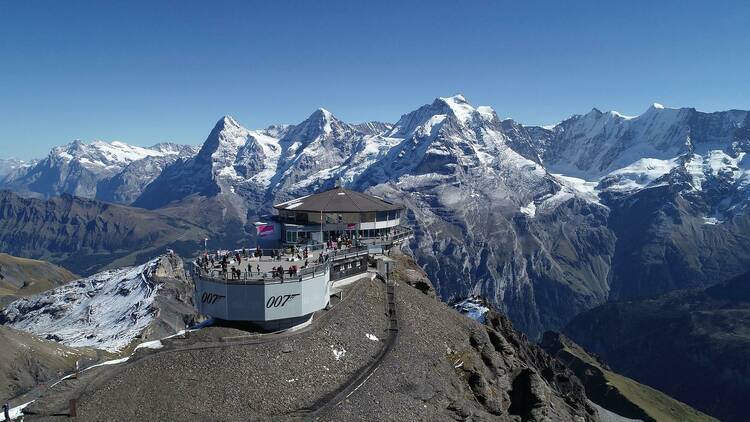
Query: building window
{"points": [[301, 217]]}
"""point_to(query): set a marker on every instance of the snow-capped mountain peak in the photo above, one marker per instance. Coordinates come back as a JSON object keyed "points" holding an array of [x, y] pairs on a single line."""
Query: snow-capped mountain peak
{"points": [[112, 171], [227, 134], [325, 114], [321, 123], [324, 119], [459, 107], [425, 120], [115, 154], [617, 114], [229, 121]]}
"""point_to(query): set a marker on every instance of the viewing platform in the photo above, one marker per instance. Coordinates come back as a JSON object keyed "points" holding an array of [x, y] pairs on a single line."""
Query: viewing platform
{"points": [[316, 242], [270, 268]]}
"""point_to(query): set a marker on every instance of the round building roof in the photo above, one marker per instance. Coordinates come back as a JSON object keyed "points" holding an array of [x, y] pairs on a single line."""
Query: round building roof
{"points": [[338, 200]]}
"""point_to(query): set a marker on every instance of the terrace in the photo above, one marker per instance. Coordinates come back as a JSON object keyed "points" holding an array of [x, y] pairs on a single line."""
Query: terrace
{"points": [[274, 267]]}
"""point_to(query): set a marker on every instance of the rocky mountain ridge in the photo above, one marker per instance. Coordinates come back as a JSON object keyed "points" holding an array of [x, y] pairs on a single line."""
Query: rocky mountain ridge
{"points": [[85, 235], [615, 392], [110, 171], [539, 220], [439, 366]]}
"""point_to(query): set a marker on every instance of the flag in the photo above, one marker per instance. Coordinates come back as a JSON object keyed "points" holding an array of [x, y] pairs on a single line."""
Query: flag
{"points": [[264, 230]]}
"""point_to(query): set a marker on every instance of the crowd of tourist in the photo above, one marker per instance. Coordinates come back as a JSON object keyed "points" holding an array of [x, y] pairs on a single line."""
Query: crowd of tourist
{"points": [[244, 263]]}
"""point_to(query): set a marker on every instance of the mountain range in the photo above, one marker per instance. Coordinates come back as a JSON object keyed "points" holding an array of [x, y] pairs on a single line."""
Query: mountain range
{"points": [[113, 172], [85, 235], [544, 222]]}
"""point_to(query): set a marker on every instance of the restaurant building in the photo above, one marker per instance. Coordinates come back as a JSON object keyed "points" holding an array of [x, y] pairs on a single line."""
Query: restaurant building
{"points": [[335, 235], [338, 213]]}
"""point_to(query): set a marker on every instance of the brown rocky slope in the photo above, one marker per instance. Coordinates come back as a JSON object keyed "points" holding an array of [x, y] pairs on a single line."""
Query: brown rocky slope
{"points": [[20, 277], [439, 365]]}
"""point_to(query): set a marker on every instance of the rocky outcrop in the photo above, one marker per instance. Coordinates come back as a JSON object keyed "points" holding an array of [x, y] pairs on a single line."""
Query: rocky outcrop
{"points": [[174, 302], [533, 377]]}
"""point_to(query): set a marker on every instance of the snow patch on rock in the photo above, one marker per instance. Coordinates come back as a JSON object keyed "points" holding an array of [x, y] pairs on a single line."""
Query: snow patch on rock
{"points": [[338, 353], [529, 210], [473, 307], [105, 311]]}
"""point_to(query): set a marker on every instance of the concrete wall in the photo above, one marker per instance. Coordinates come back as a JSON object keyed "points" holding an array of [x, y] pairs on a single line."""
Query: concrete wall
{"points": [[261, 302]]}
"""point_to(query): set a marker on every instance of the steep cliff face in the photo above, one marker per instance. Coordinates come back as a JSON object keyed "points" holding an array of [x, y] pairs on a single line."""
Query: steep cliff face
{"points": [[541, 271], [665, 232], [670, 341]]}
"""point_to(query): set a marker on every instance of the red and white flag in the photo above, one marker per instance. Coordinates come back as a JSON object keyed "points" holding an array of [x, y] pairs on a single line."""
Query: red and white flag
{"points": [[264, 230]]}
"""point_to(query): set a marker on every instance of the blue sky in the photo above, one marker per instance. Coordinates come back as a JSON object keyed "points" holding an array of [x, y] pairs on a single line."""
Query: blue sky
{"points": [[147, 72]]}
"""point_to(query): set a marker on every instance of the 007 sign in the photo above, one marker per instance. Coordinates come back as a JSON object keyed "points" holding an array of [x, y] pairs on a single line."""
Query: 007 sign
{"points": [[277, 301], [210, 298]]}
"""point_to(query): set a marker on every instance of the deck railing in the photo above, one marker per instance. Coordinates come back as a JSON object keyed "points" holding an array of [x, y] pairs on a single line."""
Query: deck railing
{"points": [[267, 277]]}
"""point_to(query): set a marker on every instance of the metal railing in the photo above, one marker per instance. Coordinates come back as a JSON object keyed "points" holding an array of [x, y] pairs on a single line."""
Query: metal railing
{"points": [[249, 277], [389, 239], [267, 277]]}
